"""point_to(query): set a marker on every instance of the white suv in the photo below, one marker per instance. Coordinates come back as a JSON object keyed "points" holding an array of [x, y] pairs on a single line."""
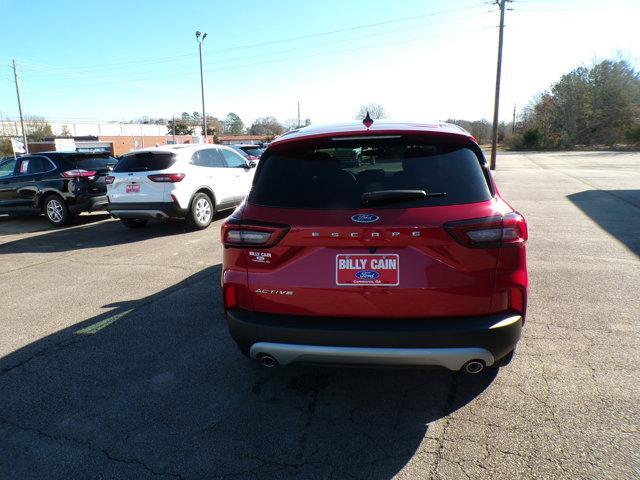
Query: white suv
{"points": [[177, 181]]}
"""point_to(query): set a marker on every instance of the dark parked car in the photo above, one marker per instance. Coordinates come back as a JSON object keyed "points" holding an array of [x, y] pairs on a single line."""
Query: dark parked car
{"points": [[250, 152], [58, 184]]}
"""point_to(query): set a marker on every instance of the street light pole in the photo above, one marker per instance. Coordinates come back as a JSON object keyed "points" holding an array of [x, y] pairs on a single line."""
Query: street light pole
{"points": [[204, 115]]}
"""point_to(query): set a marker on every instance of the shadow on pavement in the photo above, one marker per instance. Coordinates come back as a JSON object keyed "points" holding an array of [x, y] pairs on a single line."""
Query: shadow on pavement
{"points": [[156, 386], [14, 225], [94, 234], [616, 211]]}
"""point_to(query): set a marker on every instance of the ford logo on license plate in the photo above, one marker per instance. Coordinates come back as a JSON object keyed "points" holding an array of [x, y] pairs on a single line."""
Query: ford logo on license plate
{"points": [[367, 275], [365, 218]]}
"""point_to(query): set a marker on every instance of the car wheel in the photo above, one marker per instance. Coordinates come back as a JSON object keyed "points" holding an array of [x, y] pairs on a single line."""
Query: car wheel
{"points": [[56, 210], [134, 222], [201, 212]]}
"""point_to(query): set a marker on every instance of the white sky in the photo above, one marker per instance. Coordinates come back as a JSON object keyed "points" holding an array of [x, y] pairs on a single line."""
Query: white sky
{"points": [[429, 68]]}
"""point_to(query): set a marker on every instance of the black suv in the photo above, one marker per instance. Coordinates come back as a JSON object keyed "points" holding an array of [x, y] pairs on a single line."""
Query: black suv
{"points": [[58, 184]]}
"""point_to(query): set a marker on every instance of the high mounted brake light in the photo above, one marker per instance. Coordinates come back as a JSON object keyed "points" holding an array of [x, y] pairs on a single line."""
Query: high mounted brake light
{"points": [[506, 230], [252, 234], [365, 137]]}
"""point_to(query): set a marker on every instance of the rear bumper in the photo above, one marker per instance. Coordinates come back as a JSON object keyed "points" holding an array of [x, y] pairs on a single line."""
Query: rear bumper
{"points": [[153, 210], [88, 203], [447, 342], [451, 358]]}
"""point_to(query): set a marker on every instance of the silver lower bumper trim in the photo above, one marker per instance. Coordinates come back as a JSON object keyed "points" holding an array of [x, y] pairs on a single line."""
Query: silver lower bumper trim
{"points": [[138, 214], [451, 358]]}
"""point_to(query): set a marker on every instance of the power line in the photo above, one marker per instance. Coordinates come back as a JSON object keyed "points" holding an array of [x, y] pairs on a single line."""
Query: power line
{"points": [[71, 72], [558, 10], [332, 32], [68, 73], [378, 45], [272, 42], [119, 82]]}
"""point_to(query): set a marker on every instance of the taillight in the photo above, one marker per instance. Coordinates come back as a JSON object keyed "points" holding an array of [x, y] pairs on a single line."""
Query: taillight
{"points": [[517, 299], [252, 234], [79, 173], [109, 179], [166, 177], [514, 229], [230, 297], [508, 229], [252, 158]]}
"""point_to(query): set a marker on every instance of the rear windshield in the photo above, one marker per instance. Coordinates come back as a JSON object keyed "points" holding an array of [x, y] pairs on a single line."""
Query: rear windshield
{"points": [[145, 161], [91, 162], [337, 175], [255, 151]]}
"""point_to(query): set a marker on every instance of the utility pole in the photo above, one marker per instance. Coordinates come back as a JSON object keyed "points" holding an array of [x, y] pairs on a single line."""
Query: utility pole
{"points": [[513, 124], [494, 138], [24, 133], [299, 125], [173, 128], [204, 115]]}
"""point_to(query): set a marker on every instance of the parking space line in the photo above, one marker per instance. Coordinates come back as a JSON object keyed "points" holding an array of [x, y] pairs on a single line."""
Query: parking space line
{"points": [[102, 324]]}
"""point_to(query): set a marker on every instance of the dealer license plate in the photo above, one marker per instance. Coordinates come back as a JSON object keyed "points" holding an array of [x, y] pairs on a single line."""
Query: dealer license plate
{"points": [[372, 269]]}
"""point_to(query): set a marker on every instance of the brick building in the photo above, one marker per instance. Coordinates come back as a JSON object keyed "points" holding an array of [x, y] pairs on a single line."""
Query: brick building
{"points": [[119, 144]]}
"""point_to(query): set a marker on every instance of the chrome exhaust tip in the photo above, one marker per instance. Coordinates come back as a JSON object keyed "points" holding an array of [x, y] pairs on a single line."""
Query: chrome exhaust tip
{"points": [[474, 366], [267, 360]]}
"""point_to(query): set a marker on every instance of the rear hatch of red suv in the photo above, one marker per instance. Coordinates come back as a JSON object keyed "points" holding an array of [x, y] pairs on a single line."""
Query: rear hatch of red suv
{"points": [[371, 226]]}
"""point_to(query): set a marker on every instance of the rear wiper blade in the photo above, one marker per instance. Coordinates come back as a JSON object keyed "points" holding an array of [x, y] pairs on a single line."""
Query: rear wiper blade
{"points": [[380, 197]]}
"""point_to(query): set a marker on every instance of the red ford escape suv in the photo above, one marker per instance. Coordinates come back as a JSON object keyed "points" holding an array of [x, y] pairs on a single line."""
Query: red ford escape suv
{"points": [[380, 244]]}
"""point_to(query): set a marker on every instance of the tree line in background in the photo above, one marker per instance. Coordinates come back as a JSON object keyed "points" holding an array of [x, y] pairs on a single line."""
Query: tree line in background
{"points": [[591, 106], [38, 128], [596, 105], [232, 124]]}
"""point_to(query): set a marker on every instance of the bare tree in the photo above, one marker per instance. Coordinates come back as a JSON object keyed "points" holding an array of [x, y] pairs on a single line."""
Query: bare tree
{"points": [[37, 129], [267, 126], [376, 111], [290, 124]]}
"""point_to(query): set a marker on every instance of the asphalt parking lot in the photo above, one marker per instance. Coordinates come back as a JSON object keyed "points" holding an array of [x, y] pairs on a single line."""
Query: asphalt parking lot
{"points": [[115, 361]]}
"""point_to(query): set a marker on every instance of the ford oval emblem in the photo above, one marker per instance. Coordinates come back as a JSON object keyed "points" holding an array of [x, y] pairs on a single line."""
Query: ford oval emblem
{"points": [[365, 218], [367, 275]]}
